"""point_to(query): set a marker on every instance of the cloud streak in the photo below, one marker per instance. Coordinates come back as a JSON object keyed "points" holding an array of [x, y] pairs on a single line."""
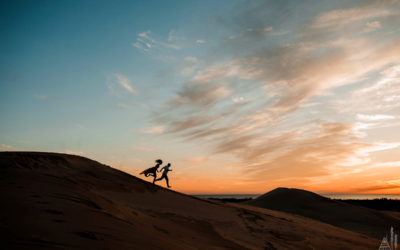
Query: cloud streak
{"points": [[6, 147], [342, 17], [279, 108], [374, 117], [119, 85], [125, 83], [154, 130], [146, 42]]}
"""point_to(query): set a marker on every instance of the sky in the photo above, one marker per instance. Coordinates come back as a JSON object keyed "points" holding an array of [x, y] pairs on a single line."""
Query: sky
{"points": [[239, 96]]}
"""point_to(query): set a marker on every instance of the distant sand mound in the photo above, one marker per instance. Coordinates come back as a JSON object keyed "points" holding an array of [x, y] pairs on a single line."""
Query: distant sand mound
{"points": [[301, 202], [59, 201]]}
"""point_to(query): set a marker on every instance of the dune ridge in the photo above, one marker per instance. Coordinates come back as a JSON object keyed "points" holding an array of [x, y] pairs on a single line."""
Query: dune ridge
{"points": [[60, 201], [359, 219]]}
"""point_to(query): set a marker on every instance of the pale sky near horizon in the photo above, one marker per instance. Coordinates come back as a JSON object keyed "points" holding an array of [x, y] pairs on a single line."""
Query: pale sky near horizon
{"points": [[240, 96]]}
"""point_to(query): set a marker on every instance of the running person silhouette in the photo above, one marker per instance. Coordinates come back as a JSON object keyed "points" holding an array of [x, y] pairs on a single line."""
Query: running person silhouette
{"points": [[164, 174], [152, 171]]}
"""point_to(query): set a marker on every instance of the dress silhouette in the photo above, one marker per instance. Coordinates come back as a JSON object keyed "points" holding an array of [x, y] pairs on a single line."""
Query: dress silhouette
{"points": [[164, 175], [153, 170]]}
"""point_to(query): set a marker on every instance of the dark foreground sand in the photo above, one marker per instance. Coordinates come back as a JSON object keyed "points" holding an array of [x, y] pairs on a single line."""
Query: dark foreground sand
{"points": [[58, 201]]}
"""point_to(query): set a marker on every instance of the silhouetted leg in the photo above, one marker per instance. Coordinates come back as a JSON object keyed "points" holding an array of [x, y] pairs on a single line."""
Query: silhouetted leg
{"points": [[159, 179], [166, 179], [154, 179]]}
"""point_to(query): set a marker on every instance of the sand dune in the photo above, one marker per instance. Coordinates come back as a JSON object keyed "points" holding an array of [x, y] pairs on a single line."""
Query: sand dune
{"points": [[59, 201], [355, 218]]}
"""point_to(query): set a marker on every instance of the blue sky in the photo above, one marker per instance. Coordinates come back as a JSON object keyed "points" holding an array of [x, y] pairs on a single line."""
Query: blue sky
{"points": [[244, 95], [59, 58]]}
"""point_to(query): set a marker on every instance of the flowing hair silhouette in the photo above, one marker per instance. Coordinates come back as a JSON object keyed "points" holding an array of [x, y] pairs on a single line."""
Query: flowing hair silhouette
{"points": [[153, 170]]}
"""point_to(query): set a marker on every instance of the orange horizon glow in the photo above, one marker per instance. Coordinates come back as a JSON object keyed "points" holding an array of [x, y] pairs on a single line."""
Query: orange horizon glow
{"points": [[220, 186]]}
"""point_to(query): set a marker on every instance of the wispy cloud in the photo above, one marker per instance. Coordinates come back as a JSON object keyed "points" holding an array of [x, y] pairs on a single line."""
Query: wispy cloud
{"points": [[154, 130], [390, 164], [125, 83], [376, 188], [6, 147], [189, 64], [380, 147], [118, 85], [146, 42], [341, 17], [374, 117], [174, 37], [256, 105], [379, 95], [372, 26]]}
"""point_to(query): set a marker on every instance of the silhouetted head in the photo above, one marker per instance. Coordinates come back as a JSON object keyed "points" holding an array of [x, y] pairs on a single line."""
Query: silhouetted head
{"points": [[159, 161], [169, 164]]}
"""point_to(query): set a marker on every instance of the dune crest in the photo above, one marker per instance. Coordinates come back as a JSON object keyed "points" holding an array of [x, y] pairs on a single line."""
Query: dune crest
{"points": [[359, 219]]}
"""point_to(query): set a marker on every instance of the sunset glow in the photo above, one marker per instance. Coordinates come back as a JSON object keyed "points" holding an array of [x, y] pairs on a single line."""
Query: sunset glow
{"points": [[239, 96]]}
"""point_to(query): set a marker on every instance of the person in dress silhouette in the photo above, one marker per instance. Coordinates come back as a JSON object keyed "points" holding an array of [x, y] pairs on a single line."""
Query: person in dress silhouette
{"points": [[164, 175], [153, 170]]}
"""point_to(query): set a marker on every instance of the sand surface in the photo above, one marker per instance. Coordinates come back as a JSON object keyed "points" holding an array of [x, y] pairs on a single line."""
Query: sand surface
{"points": [[59, 201], [359, 219]]}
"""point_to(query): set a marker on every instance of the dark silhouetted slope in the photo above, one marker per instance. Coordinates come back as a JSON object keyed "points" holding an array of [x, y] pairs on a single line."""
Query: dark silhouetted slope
{"points": [[301, 202], [59, 201]]}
